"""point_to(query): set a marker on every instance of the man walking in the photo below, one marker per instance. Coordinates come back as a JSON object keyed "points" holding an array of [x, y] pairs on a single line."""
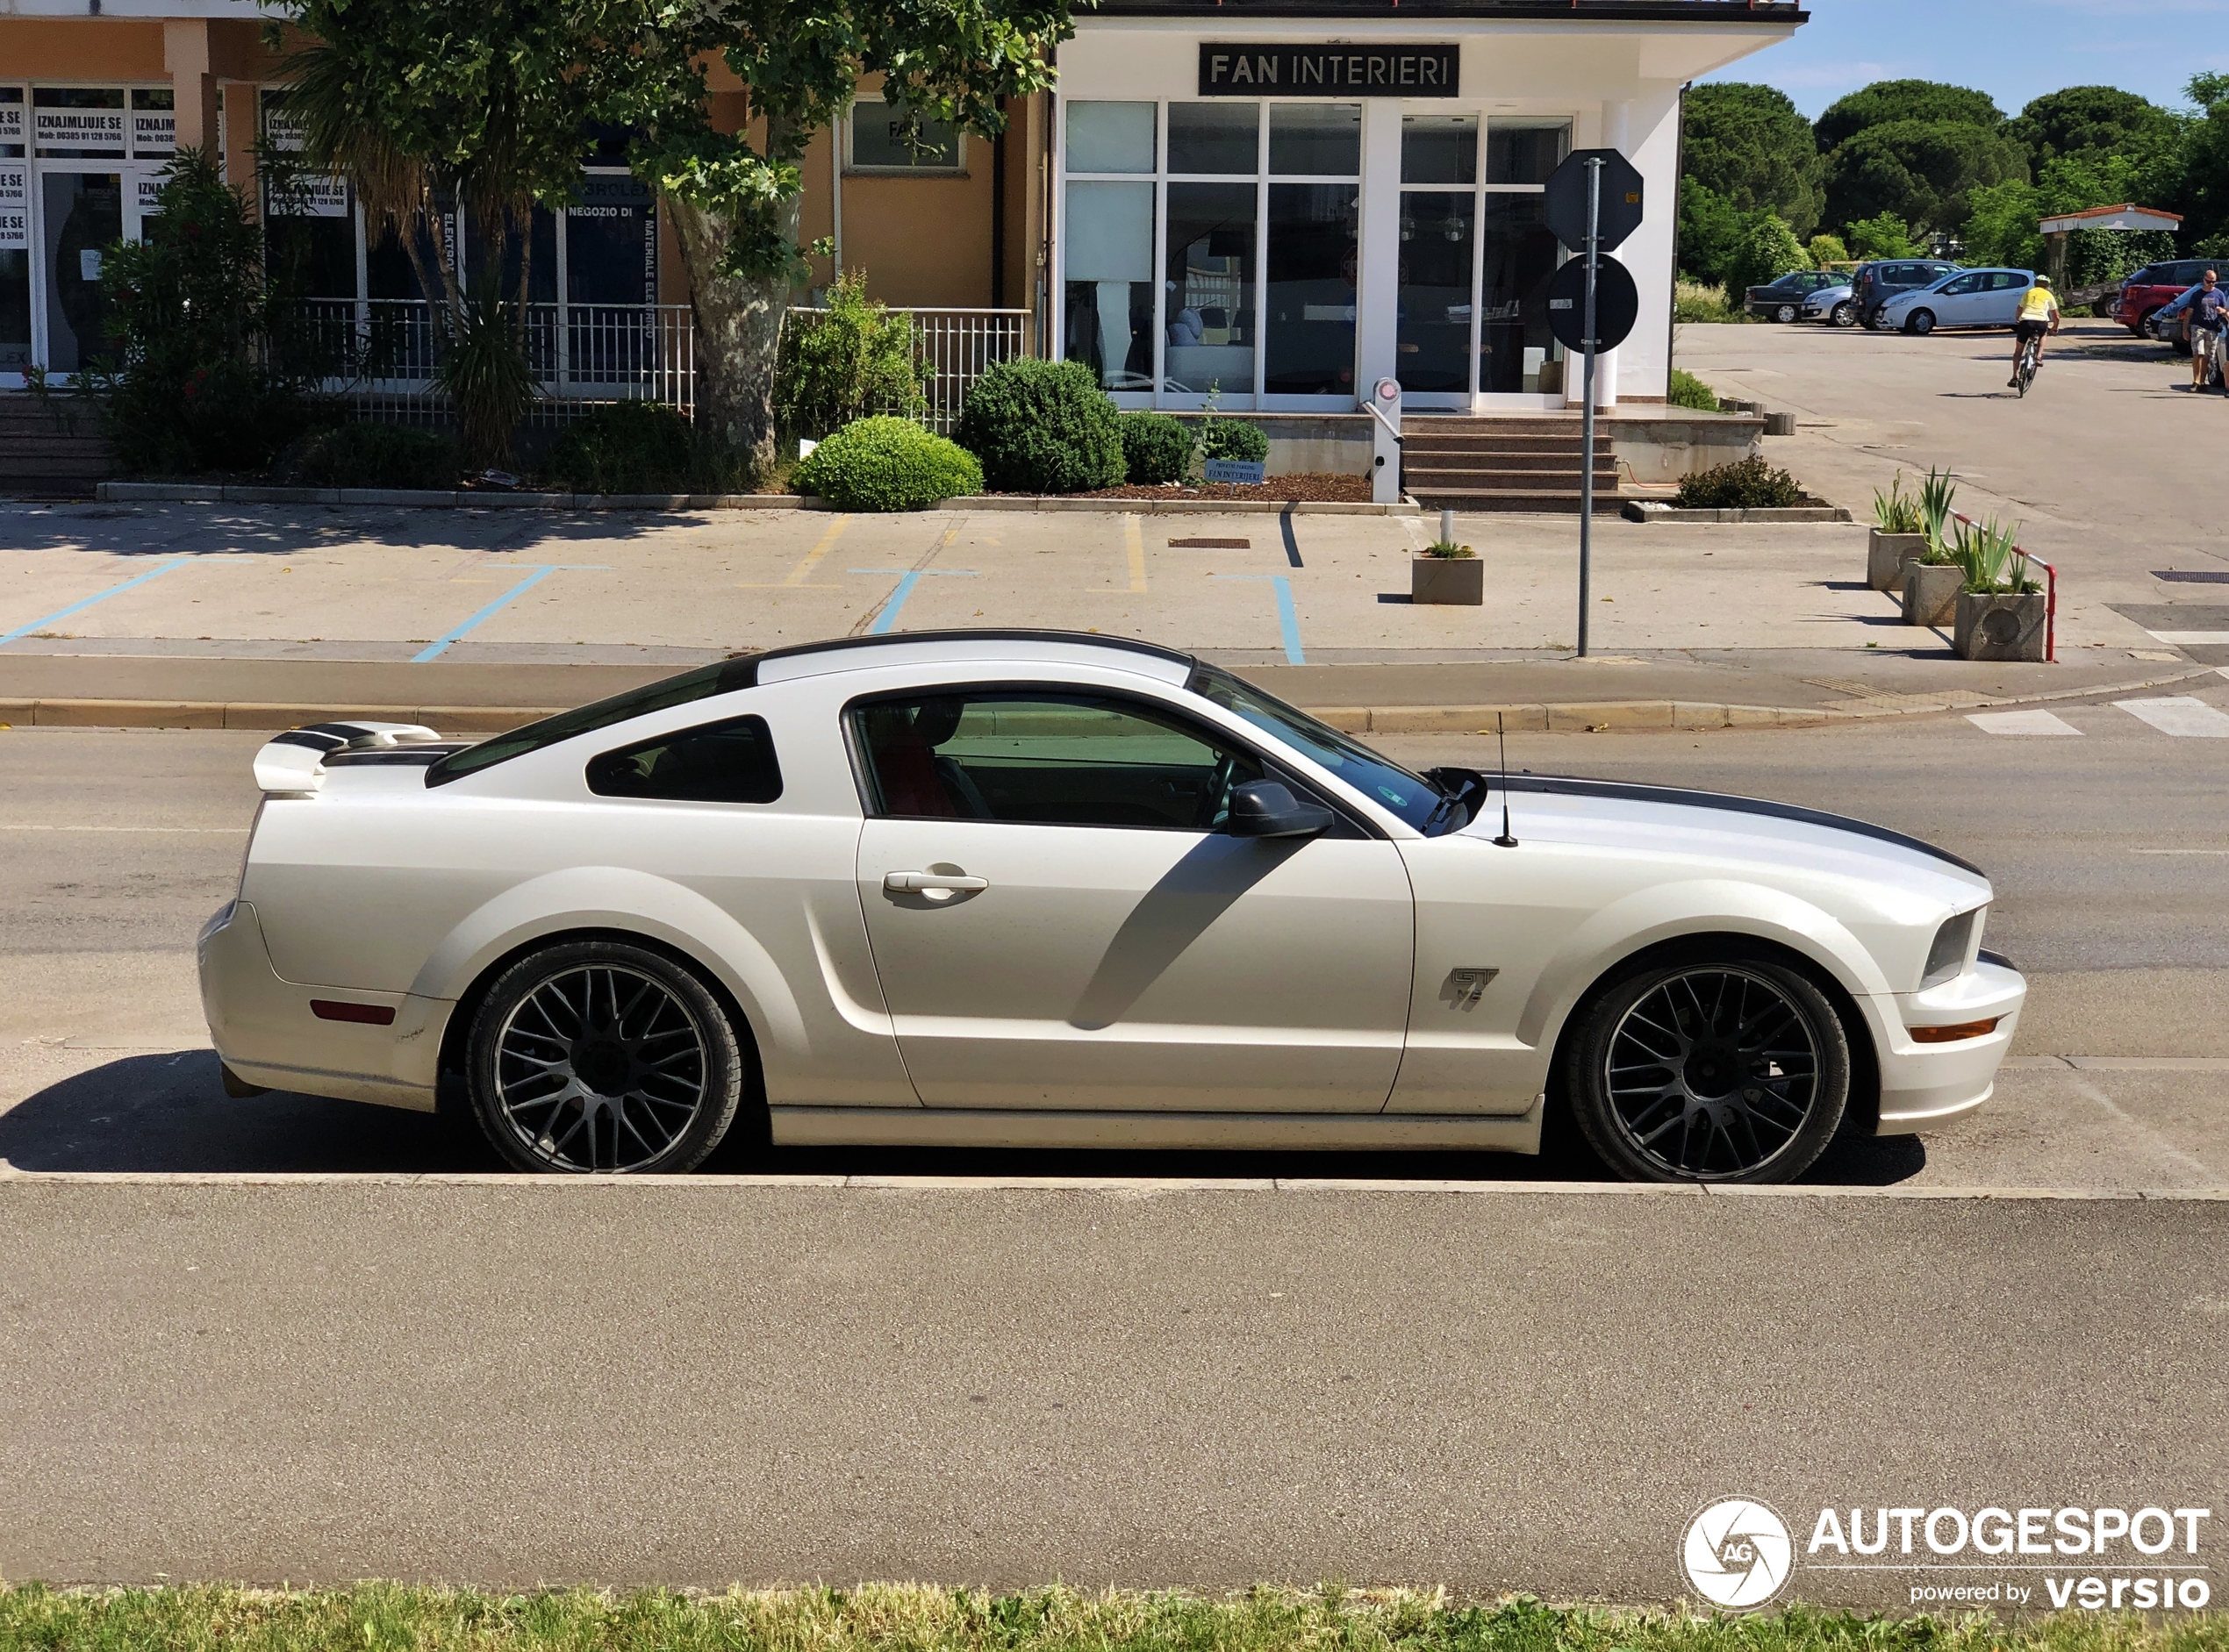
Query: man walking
{"points": [[2207, 312]]}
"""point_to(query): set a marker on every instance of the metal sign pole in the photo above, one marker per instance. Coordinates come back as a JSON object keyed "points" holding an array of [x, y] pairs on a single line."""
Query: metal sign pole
{"points": [[1586, 412]]}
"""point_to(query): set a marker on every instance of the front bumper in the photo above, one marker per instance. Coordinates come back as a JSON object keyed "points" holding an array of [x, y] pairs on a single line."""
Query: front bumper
{"points": [[266, 1032], [1925, 1085]]}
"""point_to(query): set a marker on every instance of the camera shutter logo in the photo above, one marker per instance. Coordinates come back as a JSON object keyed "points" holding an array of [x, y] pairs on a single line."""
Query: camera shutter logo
{"points": [[1738, 1553]]}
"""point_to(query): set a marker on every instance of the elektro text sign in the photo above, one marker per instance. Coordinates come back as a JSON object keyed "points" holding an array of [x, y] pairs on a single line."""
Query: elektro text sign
{"points": [[1366, 71]]}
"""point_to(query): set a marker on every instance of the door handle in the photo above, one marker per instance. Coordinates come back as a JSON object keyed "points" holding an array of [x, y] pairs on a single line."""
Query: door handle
{"points": [[924, 882]]}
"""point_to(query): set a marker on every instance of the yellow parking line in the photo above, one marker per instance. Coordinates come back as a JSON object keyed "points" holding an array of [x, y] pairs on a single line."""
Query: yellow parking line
{"points": [[803, 571], [1134, 536]]}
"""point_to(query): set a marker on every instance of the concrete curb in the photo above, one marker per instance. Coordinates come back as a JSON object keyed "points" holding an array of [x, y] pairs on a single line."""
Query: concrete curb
{"points": [[1113, 1186], [1533, 716], [417, 499], [1653, 511]]}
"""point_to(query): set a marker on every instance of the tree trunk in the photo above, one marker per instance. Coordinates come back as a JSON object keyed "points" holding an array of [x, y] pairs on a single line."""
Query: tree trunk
{"points": [[739, 335]]}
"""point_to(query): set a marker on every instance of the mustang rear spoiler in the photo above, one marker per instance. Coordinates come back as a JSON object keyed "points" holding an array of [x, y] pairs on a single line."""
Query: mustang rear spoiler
{"points": [[292, 764]]}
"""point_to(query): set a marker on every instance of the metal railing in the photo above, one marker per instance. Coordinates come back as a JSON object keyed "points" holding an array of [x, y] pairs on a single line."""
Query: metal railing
{"points": [[380, 354], [957, 346]]}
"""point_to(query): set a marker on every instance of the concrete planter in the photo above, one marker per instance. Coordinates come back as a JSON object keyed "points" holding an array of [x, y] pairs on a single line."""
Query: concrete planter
{"points": [[1456, 581], [2000, 625], [1886, 554], [1931, 592]]}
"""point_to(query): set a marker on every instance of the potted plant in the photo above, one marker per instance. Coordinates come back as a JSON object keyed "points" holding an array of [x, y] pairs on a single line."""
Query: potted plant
{"points": [[2002, 614], [1897, 536], [1931, 580], [1447, 573]]}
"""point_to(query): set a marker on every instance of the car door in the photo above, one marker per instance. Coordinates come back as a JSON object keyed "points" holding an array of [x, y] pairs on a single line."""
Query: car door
{"points": [[1955, 302], [2001, 304], [1059, 920]]}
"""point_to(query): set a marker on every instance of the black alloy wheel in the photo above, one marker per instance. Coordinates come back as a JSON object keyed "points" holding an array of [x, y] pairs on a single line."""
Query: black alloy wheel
{"points": [[1735, 1070], [596, 1057]]}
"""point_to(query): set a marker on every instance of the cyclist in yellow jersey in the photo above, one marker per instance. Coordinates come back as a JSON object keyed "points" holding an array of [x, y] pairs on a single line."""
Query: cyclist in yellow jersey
{"points": [[2039, 315]]}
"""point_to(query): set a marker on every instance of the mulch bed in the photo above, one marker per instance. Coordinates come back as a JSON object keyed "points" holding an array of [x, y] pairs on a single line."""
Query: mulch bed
{"points": [[1309, 486]]}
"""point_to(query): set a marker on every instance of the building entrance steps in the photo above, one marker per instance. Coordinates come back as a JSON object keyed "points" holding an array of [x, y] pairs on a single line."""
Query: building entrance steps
{"points": [[1502, 464]]}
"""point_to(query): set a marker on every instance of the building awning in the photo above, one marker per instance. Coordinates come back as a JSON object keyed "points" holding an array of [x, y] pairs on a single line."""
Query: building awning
{"points": [[2124, 217]]}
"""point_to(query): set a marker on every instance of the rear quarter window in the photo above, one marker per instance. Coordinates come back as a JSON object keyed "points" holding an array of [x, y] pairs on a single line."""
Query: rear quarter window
{"points": [[729, 761]]}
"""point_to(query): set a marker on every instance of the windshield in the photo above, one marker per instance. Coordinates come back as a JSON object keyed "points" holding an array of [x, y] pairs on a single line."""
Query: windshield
{"points": [[1385, 783], [699, 684]]}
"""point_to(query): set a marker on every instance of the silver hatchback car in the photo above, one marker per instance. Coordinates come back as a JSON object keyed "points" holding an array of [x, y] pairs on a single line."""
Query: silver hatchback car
{"points": [[1969, 298]]}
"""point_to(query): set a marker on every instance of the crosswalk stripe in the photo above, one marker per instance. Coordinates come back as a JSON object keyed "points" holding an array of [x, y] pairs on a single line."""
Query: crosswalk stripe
{"points": [[2180, 714], [2193, 639], [2021, 723]]}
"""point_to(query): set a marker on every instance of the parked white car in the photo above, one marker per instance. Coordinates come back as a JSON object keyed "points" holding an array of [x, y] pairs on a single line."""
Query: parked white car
{"points": [[1965, 299], [1837, 305], [1029, 889]]}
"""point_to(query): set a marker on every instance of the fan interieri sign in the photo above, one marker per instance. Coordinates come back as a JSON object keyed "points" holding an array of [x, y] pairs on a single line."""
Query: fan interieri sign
{"points": [[1369, 71]]}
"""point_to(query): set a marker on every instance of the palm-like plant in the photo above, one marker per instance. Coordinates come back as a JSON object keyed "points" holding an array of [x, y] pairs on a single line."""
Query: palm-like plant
{"points": [[1989, 555], [1896, 511], [1935, 514]]}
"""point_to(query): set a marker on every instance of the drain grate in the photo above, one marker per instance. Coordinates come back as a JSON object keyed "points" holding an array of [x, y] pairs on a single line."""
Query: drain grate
{"points": [[2184, 576], [1211, 545]]}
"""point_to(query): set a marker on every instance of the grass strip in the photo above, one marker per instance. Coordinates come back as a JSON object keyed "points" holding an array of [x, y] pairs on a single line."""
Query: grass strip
{"points": [[910, 1618]]}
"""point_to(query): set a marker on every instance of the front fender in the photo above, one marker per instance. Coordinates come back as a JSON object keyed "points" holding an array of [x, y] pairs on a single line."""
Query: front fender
{"points": [[620, 899], [1700, 906]]}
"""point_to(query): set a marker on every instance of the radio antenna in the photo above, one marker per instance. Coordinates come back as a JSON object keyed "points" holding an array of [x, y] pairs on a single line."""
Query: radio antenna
{"points": [[1501, 738]]}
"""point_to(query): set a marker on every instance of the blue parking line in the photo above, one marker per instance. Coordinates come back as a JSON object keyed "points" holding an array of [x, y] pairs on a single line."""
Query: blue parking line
{"points": [[440, 644], [1288, 619], [886, 622], [98, 597]]}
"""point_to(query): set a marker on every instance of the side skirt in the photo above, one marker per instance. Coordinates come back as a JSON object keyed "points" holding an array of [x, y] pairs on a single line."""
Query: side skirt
{"points": [[953, 1127]]}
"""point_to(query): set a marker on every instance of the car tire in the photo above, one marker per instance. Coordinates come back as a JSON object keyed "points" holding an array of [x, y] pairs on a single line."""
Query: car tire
{"points": [[1730, 1067], [1784, 314], [1875, 321], [599, 1057], [1920, 323], [1843, 315]]}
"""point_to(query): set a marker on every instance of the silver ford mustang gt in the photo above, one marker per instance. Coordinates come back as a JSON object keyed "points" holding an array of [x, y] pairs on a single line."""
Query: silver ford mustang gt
{"points": [[1030, 889]]}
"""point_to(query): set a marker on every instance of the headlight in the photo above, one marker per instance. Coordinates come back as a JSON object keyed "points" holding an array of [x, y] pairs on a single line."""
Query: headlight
{"points": [[1953, 941]]}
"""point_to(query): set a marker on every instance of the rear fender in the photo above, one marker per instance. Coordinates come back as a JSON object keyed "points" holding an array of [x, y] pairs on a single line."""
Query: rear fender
{"points": [[617, 898]]}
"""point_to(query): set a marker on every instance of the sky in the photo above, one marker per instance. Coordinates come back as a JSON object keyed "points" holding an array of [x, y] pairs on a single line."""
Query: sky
{"points": [[2012, 49]]}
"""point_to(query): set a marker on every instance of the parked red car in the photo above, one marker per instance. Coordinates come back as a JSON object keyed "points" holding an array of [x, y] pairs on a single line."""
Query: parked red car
{"points": [[2156, 284]]}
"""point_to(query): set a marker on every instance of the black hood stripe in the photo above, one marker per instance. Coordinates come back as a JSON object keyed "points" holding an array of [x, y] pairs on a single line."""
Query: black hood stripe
{"points": [[1570, 786]]}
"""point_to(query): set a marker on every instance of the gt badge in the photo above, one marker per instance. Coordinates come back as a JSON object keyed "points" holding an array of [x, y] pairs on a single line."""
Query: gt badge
{"points": [[1465, 987]]}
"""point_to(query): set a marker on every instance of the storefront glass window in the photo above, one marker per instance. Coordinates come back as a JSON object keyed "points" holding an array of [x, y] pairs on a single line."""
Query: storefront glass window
{"points": [[1107, 137], [15, 235], [1311, 299], [1525, 152], [1440, 148], [1315, 140], [1438, 241], [78, 123], [1109, 291], [1207, 139], [1210, 283]]}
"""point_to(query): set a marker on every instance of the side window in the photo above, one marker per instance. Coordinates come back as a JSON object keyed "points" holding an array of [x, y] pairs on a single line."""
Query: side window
{"points": [[1963, 285], [1041, 757], [720, 762], [2009, 280]]}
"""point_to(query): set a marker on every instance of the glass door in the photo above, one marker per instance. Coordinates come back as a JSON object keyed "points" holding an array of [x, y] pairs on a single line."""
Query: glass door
{"points": [[81, 215]]}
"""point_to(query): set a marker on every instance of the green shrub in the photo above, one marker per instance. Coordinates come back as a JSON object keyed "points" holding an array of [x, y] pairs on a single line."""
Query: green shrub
{"points": [[1233, 439], [185, 379], [856, 359], [1746, 484], [1768, 251], [1692, 301], [627, 447], [371, 456], [1827, 249], [1690, 391], [1042, 427], [886, 464], [1156, 448]]}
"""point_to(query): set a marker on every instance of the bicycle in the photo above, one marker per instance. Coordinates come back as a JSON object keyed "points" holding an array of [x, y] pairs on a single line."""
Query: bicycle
{"points": [[2024, 374]]}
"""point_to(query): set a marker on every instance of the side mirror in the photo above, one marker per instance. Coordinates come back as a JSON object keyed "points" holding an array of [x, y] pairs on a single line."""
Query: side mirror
{"points": [[1267, 809]]}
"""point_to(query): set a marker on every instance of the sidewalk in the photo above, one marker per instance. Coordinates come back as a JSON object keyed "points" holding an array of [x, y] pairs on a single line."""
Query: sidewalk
{"points": [[262, 617]]}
